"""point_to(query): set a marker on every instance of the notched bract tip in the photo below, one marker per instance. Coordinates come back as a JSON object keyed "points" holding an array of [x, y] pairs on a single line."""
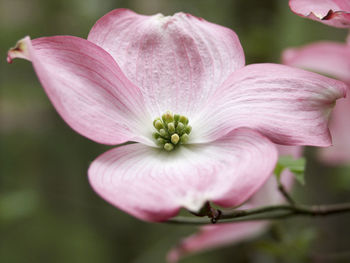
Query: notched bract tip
{"points": [[19, 51]]}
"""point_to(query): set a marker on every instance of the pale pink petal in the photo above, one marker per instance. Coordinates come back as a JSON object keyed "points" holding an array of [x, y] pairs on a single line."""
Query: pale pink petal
{"points": [[339, 153], [87, 88], [152, 184], [330, 12], [288, 105], [179, 61], [213, 236], [329, 58]]}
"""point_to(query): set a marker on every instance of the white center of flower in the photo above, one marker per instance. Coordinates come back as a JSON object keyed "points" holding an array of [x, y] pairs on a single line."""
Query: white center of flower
{"points": [[172, 130]]}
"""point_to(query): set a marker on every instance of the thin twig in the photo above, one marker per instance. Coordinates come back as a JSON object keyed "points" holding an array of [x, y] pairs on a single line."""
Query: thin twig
{"points": [[267, 213], [285, 194]]}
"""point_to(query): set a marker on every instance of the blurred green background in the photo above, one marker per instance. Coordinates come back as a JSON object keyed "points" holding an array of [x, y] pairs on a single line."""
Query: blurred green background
{"points": [[49, 213]]}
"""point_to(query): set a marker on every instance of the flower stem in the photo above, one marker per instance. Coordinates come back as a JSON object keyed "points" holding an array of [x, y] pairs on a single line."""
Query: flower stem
{"points": [[267, 213], [285, 194]]}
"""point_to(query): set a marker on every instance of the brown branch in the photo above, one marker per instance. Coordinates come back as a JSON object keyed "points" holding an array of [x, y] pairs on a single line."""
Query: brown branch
{"points": [[267, 213]]}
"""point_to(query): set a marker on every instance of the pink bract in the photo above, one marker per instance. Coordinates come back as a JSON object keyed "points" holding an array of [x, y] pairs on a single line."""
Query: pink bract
{"points": [[332, 59], [210, 237], [133, 68], [330, 12]]}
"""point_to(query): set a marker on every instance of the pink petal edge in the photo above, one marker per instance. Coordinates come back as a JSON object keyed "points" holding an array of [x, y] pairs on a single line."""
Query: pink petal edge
{"points": [[339, 126], [216, 236], [332, 59], [330, 12], [86, 87], [152, 185], [210, 237], [178, 61], [324, 57], [290, 106]]}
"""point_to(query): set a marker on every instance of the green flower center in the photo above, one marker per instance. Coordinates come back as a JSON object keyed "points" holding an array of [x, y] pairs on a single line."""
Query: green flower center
{"points": [[172, 130]]}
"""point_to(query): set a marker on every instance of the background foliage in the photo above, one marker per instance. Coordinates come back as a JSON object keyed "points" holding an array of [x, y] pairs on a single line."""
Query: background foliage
{"points": [[49, 213]]}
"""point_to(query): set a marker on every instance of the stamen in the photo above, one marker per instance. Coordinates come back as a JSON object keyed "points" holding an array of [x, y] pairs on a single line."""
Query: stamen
{"points": [[168, 147], [184, 138], [171, 131], [175, 138]]}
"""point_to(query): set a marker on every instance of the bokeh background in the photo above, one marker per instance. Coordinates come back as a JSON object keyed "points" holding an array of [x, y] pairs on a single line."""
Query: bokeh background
{"points": [[49, 213]]}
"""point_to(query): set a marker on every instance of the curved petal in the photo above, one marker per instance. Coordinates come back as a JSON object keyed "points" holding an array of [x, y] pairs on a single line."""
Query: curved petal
{"points": [[215, 236], [210, 237], [152, 184], [339, 153], [178, 60], [86, 87], [329, 58], [288, 105], [330, 12]]}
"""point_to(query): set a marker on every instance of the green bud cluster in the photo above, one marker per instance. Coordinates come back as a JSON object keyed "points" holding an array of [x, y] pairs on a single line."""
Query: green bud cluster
{"points": [[172, 130]]}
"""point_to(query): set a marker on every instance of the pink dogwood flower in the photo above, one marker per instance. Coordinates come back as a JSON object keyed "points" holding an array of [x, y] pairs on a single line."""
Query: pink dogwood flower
{"points": [[213, 236], [122, 82], [333, 59], [330, 12]]}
